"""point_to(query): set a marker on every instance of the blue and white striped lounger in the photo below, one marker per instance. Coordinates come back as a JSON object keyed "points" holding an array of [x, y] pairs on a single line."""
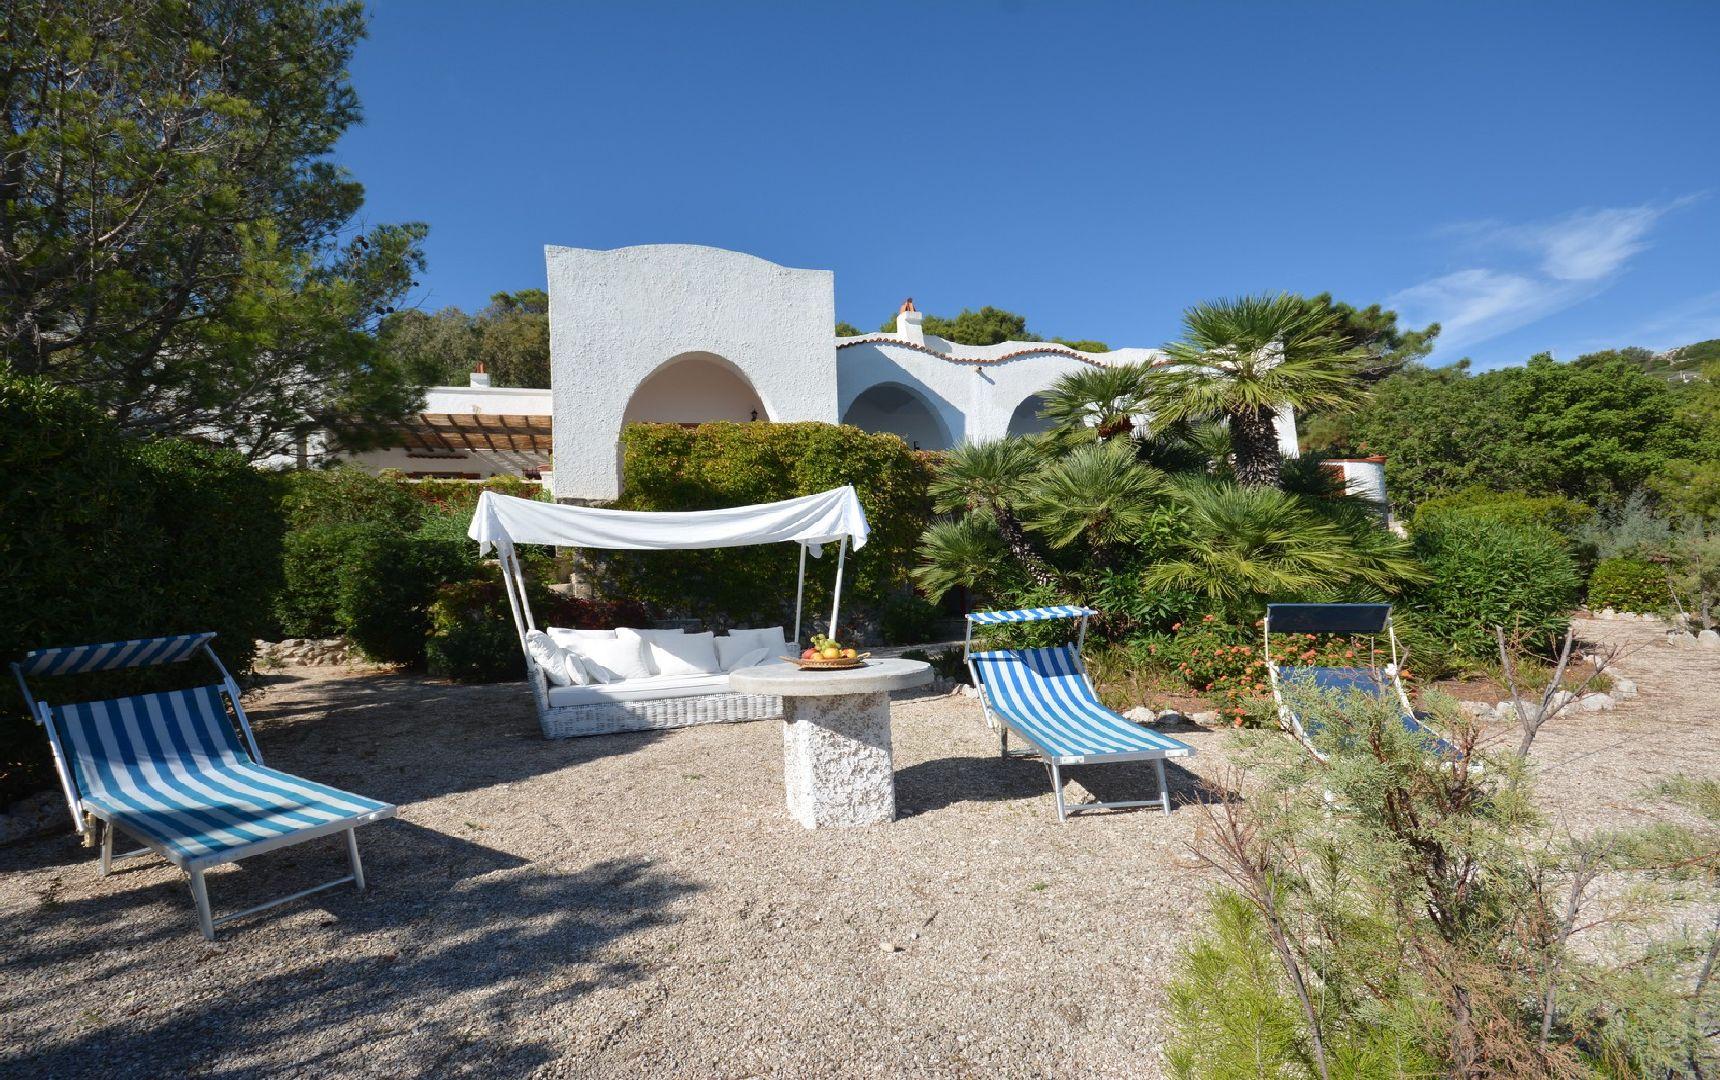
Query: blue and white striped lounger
{"points": [[1045, 697], [1352, 620], [169, 770]]}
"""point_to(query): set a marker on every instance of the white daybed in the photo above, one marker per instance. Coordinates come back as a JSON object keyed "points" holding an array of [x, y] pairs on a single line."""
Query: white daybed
{"points": [[662, 701]]}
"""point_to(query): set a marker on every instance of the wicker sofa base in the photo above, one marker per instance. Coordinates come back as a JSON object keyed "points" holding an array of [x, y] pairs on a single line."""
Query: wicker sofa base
{"points": [[566, 721]]}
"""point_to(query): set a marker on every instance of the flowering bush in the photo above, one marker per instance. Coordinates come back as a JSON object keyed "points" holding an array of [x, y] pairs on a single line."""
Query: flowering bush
{"points": [[1226, 662]]}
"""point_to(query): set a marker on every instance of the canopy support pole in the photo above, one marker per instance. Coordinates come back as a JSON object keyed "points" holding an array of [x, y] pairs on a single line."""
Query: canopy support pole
{"points": [[836, 602], [799, 595]]}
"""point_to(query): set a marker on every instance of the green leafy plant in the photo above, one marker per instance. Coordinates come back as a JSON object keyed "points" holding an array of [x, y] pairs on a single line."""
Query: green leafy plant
{"points": [[387, 584], [1487, 573], [907, 618], [1627, 584]]}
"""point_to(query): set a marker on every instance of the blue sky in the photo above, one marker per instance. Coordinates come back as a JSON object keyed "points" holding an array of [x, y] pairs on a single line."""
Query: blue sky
{"points": [[1533, 176]]}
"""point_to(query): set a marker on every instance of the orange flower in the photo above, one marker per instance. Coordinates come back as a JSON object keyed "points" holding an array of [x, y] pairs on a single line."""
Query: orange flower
{"points": [[1176, 626], [1206, 618]]}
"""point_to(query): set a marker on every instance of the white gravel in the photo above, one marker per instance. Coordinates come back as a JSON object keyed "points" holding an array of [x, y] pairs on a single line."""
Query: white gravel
{"points": [[642, 905]]}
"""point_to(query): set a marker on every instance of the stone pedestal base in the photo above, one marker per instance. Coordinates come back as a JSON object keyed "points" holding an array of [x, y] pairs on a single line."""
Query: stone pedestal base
{"points": [[836, 760]]}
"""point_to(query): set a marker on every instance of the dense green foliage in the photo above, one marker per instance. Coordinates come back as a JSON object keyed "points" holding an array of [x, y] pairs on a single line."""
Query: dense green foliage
{"points": [[1594, 430], [177, 242], [510, 338], [1560, 513], [1487, 572], [668, 467], [103, 538], [387, 584], [472, 635], [1394, 913], [1626, 584]]}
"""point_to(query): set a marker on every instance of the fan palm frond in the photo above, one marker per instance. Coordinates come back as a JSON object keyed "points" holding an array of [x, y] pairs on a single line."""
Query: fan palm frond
{"points": [[1098, 491], [1097, 403], [965, 552]]}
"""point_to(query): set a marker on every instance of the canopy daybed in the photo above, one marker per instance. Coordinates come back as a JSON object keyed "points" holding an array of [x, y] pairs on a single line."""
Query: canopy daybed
{"points": [[502, 521]]}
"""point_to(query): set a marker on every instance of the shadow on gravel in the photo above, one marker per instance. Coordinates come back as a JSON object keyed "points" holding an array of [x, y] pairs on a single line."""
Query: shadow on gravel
{"points": [[404, 985], [934, 785], [407, 737]]}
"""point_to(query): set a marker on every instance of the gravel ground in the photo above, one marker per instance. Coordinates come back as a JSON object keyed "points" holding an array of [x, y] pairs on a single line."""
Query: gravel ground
{"points": [[643, 905]]}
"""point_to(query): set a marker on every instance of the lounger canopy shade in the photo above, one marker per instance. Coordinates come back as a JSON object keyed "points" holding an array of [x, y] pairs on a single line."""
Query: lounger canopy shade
{"points": [[813, 520], [1327, 618], [1038, 614]]}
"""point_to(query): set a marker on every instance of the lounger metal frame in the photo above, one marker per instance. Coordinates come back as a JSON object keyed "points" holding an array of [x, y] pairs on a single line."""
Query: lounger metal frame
{"points": [[85, 817], [1054, 762]]}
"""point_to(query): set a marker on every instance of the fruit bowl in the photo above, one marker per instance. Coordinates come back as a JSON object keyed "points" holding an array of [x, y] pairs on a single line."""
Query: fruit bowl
{"points": [[839, 663]]}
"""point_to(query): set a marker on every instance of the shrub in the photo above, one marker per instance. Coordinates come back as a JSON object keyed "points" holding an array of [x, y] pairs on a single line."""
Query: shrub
{"points": [[472, 637], [668, 467], [387, 586], [1559, 513], [308, 604], [1628, 585], [1488, 572], [103, 537], [907, 619]]}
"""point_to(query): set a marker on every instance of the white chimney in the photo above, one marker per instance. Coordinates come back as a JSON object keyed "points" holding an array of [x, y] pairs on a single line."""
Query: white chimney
{"points": [[480, 377], [908, 321]]}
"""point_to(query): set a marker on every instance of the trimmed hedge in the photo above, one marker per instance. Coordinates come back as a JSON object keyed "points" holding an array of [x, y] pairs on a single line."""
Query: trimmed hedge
{"points": [[1556, 512], [1626, 584], [1489, 572], [668, 467], [104, 537]]}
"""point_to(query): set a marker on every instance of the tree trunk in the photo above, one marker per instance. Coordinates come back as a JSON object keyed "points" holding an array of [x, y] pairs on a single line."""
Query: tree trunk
{"points": [[1016, 540], [1254, 437]]}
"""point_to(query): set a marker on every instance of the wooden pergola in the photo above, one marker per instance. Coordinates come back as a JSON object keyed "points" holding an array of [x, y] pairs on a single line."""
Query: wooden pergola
{"points": [[444, 434]]}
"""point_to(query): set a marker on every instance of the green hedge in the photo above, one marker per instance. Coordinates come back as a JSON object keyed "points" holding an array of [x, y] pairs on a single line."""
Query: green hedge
{"points": [[1556, 512], [668, 467], [1628, 585], [104, 537], [1489, 572]]}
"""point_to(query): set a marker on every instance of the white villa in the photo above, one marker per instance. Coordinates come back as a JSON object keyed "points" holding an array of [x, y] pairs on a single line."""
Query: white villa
{"points": [[678, 333]]}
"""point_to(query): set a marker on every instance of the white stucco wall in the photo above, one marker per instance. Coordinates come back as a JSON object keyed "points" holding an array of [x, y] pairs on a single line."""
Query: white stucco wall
{"points": [[617, 316]]}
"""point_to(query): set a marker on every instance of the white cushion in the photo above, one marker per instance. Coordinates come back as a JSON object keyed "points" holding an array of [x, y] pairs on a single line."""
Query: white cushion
{"points": [[740, 642], [564, 637], [615, 659], [754, 658], [656, 687], [550, 658], [673, 652]]}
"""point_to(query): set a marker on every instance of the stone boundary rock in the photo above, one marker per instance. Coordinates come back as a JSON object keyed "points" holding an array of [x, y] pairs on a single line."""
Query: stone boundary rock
{"points": [[305, 652]]}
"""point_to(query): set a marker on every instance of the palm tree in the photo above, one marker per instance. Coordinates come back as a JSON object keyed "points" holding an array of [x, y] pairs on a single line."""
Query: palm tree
{"points": [[1098, 491], [965, 552], [1243, 546], [1096, 402], [1245, 360], [993, 478]]}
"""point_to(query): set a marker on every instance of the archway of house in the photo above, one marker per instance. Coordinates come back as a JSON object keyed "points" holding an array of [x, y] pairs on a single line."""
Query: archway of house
{"points": [[902, 411], [1025, 420], [693, 388]]}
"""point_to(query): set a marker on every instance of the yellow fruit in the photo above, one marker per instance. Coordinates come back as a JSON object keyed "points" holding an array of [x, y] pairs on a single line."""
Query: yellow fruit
{"points": [[849, 654], [831, 652]]}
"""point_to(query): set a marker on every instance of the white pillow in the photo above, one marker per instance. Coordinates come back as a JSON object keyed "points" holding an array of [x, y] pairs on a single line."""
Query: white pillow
{"points": [[616, 659], [550, 658], [566, 638], [753, 659], [673, 652], [731, 649]]}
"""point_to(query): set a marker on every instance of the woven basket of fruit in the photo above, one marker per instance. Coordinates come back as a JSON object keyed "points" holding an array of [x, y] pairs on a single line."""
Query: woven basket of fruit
{"points": [[827, 655]]}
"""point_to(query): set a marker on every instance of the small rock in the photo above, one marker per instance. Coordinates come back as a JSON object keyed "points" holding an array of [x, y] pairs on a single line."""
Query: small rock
{"points": [[1475, 708], [1623, 687], [1140, 714], [1595, 702], [1608, 613], [1171, 716], [1649, 616], [969, 690], [1708, 639], [1682, 639], [1506, 710], [1627, 615], [1209, 717], [1559, 700], [889, 947]]}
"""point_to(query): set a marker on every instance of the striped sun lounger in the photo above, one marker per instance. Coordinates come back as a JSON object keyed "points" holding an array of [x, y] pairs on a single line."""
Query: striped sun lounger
{"points": [[169, 770], [1368, 621], [1045, 698]]}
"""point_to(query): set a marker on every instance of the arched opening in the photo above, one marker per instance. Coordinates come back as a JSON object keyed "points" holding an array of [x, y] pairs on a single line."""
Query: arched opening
{"points": [[694, 388], [1025, 420], [900, 411]]}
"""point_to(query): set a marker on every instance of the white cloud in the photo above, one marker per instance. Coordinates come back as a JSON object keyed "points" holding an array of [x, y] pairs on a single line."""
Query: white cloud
{"points": [[1573, 258]]}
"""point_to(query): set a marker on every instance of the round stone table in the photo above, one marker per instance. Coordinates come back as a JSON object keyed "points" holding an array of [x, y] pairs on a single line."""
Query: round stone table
{"points": [[836, 737]]}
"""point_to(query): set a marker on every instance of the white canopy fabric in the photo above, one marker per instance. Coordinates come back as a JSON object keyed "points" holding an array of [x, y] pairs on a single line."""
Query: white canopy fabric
{"points": [[811, 519]]}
